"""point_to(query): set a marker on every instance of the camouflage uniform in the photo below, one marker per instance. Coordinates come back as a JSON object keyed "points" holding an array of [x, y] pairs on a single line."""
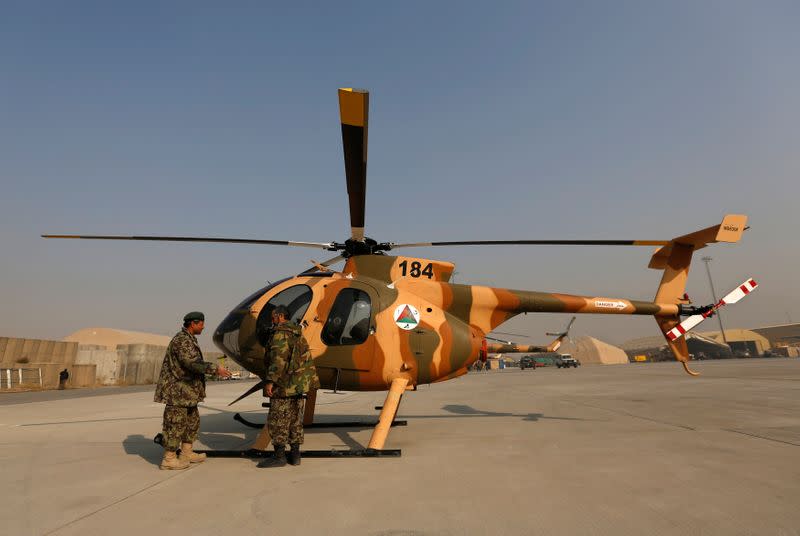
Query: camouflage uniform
{"points": [[181, 386], [291, 370]]}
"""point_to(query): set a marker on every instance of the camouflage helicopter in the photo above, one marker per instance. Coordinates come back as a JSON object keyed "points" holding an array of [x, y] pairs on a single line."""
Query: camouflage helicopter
{"points": [[391, 323], [509, 347]]}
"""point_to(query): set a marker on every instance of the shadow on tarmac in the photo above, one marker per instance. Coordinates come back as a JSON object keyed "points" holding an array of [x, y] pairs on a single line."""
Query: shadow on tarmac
{"points": [[220, 431], [143, 446], [454, 411], [468, 411]]}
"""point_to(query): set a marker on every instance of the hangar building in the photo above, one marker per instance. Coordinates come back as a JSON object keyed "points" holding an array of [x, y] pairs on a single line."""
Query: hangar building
{"points": [[784, 338], [33, 362], [591, 351], [655, 348], [743, 342], [127, 357]]}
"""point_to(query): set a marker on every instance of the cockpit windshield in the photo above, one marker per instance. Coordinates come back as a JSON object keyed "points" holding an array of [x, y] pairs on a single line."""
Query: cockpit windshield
{"points": [[296, 299], [226, 336]]}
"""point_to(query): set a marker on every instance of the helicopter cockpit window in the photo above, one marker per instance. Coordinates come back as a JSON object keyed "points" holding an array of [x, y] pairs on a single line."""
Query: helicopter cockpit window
{"points": [[296, 299], [226, 335], [348, 321]]}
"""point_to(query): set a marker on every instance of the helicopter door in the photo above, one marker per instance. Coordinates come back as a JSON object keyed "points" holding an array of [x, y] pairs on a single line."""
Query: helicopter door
{"points": [[348, 330], [349, 321]]}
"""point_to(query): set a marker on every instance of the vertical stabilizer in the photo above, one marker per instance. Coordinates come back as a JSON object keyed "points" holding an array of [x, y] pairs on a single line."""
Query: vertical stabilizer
{"points": [[676, 272], [672, 290]]}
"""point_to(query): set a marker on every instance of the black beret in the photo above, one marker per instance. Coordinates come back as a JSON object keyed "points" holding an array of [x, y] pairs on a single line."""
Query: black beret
{"points": [[194, 316]]}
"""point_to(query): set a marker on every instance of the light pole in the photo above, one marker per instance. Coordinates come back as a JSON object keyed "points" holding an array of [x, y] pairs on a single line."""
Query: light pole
{"points": [[707, 260]]}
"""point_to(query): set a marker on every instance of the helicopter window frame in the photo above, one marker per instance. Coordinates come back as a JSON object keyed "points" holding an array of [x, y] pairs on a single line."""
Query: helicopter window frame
{"points": [[347, 323], [226, 336], [297, 309]]}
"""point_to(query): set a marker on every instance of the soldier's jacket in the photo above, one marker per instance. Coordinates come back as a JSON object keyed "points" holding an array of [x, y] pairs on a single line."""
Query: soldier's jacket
{"points": [[182, 381], [288, 362]]}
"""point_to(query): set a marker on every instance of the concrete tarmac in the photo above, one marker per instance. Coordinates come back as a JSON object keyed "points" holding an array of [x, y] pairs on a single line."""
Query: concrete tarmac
{"points": [[618, 450]]}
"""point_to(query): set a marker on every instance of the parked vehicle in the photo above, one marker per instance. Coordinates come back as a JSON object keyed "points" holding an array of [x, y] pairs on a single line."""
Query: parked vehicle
{"points": [[545, 360], [548, 360], [566, 361]]}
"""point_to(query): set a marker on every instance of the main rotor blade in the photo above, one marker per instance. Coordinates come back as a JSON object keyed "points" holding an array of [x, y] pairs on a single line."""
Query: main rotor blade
{"points": [[566, 330], [506, 333], [536, 243], [354, 113], [320, 245], [488, 338]]}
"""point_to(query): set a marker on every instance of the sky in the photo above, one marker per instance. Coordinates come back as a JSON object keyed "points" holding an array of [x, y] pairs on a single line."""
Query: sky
{"points": [[488, 121]]}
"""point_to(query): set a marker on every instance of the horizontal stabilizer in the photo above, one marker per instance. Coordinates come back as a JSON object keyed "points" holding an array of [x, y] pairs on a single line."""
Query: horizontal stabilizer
{"points": [[730, 230]]}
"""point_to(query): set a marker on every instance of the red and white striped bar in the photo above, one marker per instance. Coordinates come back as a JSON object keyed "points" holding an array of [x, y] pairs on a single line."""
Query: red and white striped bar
{"points": [[732, 297], [744, 289]]}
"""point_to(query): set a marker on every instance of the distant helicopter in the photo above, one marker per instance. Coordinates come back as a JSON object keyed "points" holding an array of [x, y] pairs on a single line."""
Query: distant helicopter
{"points": [[386, 322], [509, 347]]}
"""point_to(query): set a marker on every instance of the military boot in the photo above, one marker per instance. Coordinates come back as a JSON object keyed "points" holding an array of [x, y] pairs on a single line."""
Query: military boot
{"points": [[171, 461], [188, 455], [293, 456], [278, 458]]}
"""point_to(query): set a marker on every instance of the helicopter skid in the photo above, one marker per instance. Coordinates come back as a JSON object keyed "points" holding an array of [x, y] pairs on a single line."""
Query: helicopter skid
{"points": [[344, 424], [259, 454], [252, 453]]}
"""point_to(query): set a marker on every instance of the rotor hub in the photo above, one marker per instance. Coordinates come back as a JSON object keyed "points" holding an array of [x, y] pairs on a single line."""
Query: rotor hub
{"points": [[367, 246]]}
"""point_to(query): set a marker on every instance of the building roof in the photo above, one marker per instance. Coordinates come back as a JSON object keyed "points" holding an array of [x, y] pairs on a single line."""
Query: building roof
{"points": [[736, 335], [657, 341], [704, 338], [643, 343], [785, 333], [591, 350], [110, 337]]}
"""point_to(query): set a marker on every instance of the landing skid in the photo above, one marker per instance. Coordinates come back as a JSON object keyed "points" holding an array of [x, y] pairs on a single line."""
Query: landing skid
{"points": [[386, 420], [260, 454], [346, 424]]}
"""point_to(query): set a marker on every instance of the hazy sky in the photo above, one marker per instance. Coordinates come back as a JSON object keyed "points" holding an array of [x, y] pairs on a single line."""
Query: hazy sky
{"points": [[499, 120]]}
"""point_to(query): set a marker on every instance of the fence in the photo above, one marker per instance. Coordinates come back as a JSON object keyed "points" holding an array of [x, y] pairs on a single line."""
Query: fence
{"points": [[141, 373], [15, 377]]}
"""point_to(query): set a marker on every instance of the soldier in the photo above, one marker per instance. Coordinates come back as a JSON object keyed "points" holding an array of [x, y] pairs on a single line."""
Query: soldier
{"points": [[181, 386], [63, 376], [290, 375]]}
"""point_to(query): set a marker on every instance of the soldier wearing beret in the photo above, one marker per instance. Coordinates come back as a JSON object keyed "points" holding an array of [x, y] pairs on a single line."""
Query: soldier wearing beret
{"points": [[290, 375], [181, 386]]}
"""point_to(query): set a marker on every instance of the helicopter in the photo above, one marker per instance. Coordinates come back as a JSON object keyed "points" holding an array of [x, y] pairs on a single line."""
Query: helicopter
{"points": [[391, 323], [500, 346]]}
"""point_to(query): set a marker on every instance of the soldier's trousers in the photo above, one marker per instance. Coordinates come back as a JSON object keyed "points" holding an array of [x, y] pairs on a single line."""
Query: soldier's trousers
{"points": [[285, 420], [180, 426]]}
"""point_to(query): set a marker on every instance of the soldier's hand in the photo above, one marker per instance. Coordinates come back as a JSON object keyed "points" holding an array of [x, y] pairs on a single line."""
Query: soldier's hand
{"points": [[268, 390], [222, 372]]}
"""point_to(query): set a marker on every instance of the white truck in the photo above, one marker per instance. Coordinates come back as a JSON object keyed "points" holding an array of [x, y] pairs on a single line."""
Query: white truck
{"points": [[567, 361]]}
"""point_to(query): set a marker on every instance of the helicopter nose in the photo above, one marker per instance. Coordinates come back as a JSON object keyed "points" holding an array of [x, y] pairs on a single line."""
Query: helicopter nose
{"points": [[226, 336]]}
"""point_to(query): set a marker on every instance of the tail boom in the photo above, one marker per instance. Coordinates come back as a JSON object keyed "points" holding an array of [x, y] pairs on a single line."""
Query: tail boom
{"points": [[542, 302], [490, 307], [495, 348]]}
